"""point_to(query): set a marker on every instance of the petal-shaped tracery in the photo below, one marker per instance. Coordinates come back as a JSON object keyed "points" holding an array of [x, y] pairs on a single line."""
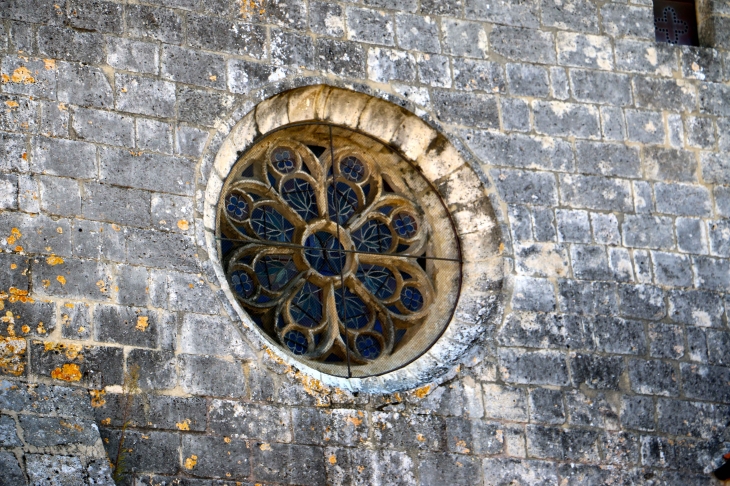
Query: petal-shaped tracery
{"points": [[325, 246]]}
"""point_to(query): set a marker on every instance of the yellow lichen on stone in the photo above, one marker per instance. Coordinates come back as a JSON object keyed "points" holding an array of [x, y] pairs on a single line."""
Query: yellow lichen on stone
{"points": [[12, 104], [69, 372], [61, 279], [333, 459], [49, 63], [142, 323], [22, 75], [251, 7], [41, 329], [13, 266], [106, 421], [191, 461], [184, 425], [25, 329], [54, 260], [97, 398], [423, 391], [183, 225], [15, 233], [227, 440], [265, 447], [12, 355]]}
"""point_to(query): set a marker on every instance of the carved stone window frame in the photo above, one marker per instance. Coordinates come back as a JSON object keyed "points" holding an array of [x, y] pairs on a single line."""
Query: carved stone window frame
{"points": [[470, 202]]}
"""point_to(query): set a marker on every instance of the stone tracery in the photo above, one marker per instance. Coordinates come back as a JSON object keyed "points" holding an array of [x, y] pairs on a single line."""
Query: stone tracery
{"points": [[327, 251]]}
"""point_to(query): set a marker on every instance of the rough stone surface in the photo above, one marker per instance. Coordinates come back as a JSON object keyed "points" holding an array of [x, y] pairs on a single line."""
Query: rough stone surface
{"points": [[606, 158]]}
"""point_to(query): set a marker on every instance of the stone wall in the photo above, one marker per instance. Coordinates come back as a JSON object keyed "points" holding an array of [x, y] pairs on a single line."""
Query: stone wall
{"points": [[608, 159]]}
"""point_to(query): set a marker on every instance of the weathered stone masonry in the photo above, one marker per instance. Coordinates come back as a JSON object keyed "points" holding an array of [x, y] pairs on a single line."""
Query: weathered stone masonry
{"points": [[606, 159]]}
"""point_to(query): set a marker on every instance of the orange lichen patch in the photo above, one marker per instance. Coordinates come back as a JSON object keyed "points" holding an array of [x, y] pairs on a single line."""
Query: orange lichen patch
{"points": [[46, 283], [106, 421], [227, 440], [265, 447], [22, 75], [354, 421], [5, 78], [213, 77], [142, 323], [69, 372], [25, 329], [501, 247], [13, 266], [420, 438], [8, 318], [191, 461], [12, 355], [49, 63], [12, 104], [102, 286], [251, 7], [423, 391], [116, 227], [15, 233], [183, 225], [462, 447], [54, 260], [332, 459], [61, 279], [40, 329], [18, 249], [62, 107], [69, 305], [72, 351], [17, 295], [68, 425], [184, 425]]}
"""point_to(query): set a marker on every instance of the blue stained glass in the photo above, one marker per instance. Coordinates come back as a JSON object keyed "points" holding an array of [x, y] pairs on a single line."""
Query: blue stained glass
{"points": [[405, 225], [283, 160], [274, 272], [325, 253], [399, 335], [378, 280], [306, 306], [300, 196], [368, 346], [385, 209], [351, 310], [296, 342], [236, 207], [243, 284], [352, 168], [411, 298], [378, 327], [342, 202], [372, 237], [271, 225]]}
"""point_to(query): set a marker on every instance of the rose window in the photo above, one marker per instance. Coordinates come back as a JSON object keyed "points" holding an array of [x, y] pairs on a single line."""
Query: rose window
{"points": [[338, 249]]}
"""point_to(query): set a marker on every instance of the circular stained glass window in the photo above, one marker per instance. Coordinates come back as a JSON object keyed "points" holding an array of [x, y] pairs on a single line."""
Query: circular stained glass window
{"points": [[340, 251]]}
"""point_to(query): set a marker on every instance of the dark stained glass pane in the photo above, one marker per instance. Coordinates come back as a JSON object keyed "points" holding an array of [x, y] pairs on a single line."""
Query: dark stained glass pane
{"points": [[675, 22]]}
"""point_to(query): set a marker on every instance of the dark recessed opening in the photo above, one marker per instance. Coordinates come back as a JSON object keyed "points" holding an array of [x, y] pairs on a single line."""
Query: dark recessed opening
{"points": [[675, 22]]}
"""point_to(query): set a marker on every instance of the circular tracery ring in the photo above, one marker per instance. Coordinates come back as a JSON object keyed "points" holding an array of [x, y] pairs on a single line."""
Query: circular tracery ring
{"points": [[327, 247]]}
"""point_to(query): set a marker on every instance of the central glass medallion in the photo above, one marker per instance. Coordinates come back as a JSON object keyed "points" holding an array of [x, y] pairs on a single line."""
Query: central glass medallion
{"points": [[338, 249]]}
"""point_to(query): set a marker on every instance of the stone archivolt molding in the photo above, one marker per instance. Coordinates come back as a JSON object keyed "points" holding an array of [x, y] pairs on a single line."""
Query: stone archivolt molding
{"points": [[434, 157]]}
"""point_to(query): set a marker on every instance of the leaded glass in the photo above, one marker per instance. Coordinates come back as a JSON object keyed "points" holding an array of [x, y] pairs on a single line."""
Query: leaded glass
{"points": [[340, 251]]}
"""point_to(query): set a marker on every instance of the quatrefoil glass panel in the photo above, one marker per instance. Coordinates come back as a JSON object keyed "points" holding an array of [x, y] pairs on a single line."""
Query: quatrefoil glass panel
{"points": [[339, 249]]}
